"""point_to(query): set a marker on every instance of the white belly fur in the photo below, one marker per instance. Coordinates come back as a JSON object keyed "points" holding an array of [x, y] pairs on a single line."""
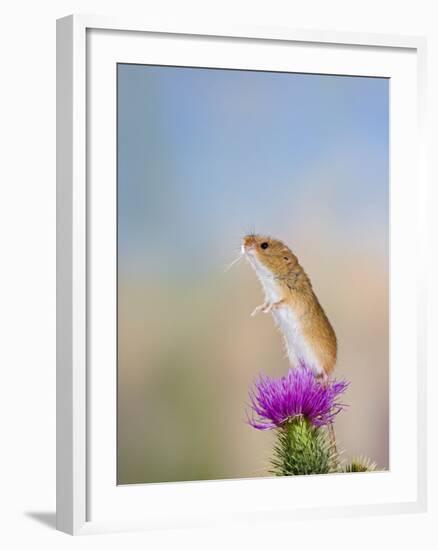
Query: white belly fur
{"points": [[289, 324]]}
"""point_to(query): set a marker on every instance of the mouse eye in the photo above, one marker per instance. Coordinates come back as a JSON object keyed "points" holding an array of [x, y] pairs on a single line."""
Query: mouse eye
{"points": [[285, 258], [264, 245]]}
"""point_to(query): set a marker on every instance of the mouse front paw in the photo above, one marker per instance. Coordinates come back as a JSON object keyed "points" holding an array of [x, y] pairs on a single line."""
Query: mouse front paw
{"points": [[275, 305], [258, 309]]}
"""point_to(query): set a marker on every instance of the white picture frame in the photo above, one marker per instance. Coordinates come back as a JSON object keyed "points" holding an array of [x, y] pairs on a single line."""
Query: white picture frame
{"points": [[86, 503]]}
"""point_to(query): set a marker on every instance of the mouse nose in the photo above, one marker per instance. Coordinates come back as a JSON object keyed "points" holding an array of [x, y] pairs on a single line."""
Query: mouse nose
{"points": [[249, 241]]}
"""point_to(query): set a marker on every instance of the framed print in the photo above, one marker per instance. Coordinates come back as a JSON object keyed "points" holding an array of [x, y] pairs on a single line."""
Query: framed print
{"points": [[241, 295]]}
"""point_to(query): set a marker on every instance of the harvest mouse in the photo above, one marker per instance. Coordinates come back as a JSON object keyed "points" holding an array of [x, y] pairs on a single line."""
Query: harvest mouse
{"points": [[289, 296]]}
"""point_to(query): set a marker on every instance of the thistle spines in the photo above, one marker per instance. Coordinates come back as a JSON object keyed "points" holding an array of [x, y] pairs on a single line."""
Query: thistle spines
{"points": [[303, 449]]}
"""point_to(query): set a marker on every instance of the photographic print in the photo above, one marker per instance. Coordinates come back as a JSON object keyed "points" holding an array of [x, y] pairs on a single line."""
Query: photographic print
{"points": [[252, 274]]}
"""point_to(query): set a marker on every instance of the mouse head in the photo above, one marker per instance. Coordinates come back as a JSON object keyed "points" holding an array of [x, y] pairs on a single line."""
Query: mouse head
{"points": [[269, 257]]}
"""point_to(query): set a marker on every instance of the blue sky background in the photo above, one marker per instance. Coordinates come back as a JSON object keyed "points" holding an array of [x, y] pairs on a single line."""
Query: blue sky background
{"points": [[205, 155]]}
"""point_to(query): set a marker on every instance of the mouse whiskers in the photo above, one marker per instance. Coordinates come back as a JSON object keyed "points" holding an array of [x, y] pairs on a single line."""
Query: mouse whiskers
{"points": [[234, 262]]}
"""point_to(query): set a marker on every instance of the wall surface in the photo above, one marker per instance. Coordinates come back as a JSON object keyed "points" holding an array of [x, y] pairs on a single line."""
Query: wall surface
{"points": [[27, 289]]}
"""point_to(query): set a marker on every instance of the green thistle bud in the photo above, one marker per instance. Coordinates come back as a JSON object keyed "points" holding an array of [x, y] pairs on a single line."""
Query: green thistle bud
{"points": [[360, 464]]}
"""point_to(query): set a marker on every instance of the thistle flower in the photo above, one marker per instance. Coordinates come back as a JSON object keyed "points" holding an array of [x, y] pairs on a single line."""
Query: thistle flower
{"points": [[277, 402]]}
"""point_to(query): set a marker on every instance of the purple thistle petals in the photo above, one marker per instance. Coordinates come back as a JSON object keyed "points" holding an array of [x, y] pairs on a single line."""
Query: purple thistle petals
{"points": [[275, 401]]}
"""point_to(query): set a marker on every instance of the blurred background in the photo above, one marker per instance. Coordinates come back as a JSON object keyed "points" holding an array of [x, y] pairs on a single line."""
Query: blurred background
{"points": [[205, 156]]}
